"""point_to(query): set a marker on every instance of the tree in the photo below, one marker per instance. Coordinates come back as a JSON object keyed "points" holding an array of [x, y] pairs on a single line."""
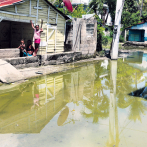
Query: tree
{"points": [[97, 6], [77, 13], [112, 8], [55, 2], [131, 14]]}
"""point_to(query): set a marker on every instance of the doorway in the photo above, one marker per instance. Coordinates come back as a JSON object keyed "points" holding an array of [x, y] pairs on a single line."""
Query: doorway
{"points": [[12, 33]]}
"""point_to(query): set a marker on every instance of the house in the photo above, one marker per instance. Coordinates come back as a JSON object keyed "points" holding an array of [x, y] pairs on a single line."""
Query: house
{"points": [[15, 16], [138, 32]]}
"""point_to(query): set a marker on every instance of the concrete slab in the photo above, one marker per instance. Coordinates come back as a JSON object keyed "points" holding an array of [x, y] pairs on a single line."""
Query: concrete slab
{"points": [[8, 73], [9, 53]]}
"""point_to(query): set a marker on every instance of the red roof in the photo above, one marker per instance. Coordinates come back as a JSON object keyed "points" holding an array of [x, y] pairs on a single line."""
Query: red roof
{"points": [[8, 2]]}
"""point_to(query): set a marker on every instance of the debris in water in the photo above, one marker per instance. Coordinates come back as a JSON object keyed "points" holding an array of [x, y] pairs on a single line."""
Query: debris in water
{"points": [[102, 76], [38, 72]]}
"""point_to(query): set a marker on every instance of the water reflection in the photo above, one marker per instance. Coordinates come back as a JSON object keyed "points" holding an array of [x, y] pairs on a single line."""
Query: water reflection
{"points": [[81, 100], [137, 60], [98, 101], [113, 114]]}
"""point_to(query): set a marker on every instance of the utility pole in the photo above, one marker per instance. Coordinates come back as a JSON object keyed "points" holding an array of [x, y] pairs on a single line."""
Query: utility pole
{"points": [[141, 8], [116, 32]]}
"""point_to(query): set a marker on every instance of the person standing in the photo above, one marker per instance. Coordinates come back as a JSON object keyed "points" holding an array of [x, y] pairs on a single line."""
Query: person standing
{"points": [[37, 33]]}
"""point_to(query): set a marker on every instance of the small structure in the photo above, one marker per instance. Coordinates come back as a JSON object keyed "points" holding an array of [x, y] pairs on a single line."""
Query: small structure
{"points": [[15, 16], [138, 32], [81, 35]]}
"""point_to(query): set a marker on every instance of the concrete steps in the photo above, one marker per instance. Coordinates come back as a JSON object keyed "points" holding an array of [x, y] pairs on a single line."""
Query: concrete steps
{"points": [[44, 60]]}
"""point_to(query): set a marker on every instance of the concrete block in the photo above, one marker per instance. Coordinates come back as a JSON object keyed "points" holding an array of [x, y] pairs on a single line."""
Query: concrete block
{"points": [[52, 62], [9, 53], [32, 65], [31, 59], [14, 61], [9, 73], [20, 66]]}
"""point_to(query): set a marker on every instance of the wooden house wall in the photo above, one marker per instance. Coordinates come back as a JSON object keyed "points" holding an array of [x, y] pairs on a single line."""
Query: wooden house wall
{"points": [[24, 8]]}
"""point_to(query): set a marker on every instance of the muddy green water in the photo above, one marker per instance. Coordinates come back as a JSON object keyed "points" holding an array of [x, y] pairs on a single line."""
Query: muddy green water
{"points": [[96, 105]]}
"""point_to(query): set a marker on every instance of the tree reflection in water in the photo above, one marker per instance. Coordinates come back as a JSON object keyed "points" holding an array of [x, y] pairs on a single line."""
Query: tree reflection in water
{"points": [[123, 79], [98, 104], [137, 108], [93, 90]]}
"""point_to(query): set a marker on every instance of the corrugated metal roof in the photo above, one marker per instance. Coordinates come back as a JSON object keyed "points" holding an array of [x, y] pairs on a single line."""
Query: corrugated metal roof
{"points": [[135, 25], [8, 2]]}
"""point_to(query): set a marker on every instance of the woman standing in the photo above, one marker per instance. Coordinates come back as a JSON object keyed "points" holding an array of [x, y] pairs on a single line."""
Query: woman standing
{"points": [[36, 37]]}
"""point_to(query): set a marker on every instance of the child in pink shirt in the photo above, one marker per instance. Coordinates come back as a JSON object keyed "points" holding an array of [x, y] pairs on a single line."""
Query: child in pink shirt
{"points": [[36, 37]]}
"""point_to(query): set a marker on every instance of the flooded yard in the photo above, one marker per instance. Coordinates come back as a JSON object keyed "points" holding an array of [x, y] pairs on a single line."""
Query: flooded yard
{"points": [[100, 104]]}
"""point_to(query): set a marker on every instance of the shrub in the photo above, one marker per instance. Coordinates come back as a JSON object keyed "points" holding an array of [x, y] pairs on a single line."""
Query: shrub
{"points": [[101, 53], [104, 40], [111, 34], [121, 38]]}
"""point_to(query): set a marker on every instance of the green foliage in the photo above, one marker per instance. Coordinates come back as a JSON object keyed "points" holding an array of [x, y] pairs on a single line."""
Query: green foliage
{"points": [[121, 38], [130, 15], [112, 8], [130, 6], [101, 53], [94, 4], [77, 13], [97, 5], [111, 33], [57, 2], [144, 15], [100, 34], [104, 40]]}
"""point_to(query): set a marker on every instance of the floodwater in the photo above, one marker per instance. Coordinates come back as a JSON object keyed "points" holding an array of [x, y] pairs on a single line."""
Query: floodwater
{"points": [[95, 105]]}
